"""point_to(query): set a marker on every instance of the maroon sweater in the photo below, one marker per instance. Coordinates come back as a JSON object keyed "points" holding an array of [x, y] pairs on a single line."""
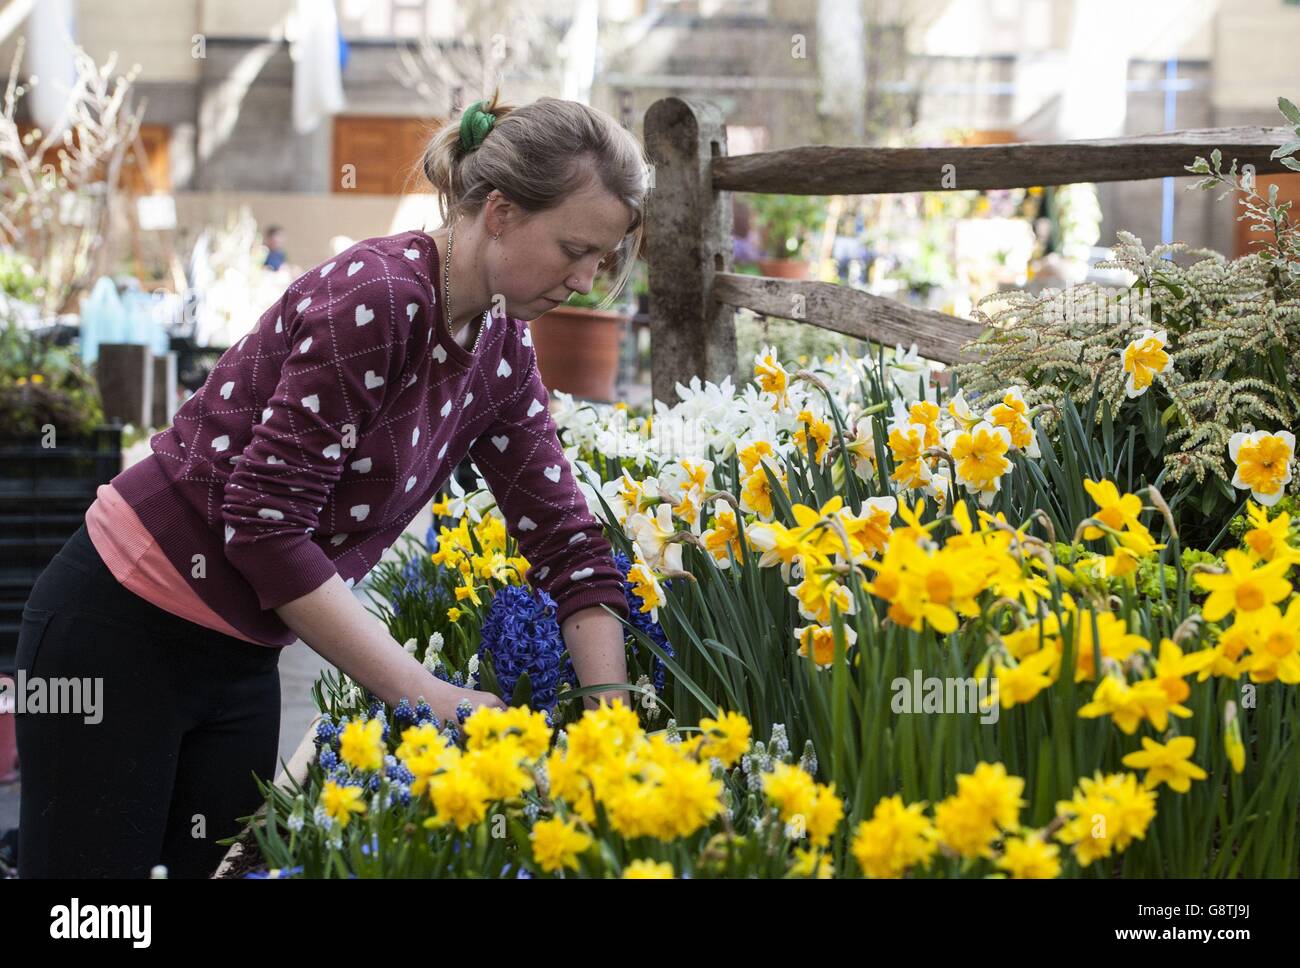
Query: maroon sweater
{"points": [[319, 435]]}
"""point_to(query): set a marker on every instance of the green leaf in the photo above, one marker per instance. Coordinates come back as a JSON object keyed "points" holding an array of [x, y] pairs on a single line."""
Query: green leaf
{"points": [[1289, 109], [523, 693]]}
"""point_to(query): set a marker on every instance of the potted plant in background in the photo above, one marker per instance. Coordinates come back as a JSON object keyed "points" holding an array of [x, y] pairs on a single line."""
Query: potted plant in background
{"points": [[785, 224], [579, 341]]}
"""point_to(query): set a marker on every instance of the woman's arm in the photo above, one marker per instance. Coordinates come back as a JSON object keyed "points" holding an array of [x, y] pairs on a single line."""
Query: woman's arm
{"points": [[336, 626], [595, 642]]}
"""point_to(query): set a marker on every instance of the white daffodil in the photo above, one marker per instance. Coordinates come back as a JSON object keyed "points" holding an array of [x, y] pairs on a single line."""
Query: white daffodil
{"points": [[1263, 462], [651, 532], [1143, 359]]}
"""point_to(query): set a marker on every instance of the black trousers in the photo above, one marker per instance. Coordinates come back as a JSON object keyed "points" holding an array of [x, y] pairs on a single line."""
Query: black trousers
{"points": [[161, 765]]}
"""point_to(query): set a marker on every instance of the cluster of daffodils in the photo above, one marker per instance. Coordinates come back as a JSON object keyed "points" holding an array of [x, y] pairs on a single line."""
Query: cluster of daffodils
{"points": [[602, 780], [932, 445], [982, 821], [474, 549]]}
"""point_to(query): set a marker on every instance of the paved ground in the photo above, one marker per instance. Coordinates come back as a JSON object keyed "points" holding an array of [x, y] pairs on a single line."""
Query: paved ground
{"points": [[299, 668]]}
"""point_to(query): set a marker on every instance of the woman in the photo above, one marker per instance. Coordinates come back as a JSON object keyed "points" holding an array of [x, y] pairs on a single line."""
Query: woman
{"points": [[313, 443]]}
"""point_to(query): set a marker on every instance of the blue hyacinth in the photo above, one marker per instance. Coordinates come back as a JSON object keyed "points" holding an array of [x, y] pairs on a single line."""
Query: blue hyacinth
{"points": [[641, 620], [521, 635]]}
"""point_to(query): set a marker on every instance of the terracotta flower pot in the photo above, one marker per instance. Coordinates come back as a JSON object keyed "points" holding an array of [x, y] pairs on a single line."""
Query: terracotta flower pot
{"points": [[578, 350], [785, 268]]}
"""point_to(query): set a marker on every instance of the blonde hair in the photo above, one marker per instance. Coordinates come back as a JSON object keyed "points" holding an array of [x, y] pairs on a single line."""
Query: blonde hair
{"points": [[537, 155]]}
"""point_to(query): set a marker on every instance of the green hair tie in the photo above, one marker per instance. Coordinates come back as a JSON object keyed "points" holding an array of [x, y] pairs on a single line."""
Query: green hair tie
{"points": [[475, 123]]}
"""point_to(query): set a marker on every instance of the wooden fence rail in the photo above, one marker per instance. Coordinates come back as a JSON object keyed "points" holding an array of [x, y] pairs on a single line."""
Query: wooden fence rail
{"points": [[694, 292]]}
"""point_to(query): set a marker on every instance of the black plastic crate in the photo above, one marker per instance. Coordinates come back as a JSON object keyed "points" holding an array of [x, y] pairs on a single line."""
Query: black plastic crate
{"points": [[44, 495]]}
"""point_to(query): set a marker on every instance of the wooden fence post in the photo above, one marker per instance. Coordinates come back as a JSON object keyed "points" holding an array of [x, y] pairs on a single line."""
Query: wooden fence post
{"points": [[688, 239]]}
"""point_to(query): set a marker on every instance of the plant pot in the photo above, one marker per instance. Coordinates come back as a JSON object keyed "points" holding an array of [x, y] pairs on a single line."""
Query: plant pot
{"points": [[44, 495], [785, 268], [578, 350]]}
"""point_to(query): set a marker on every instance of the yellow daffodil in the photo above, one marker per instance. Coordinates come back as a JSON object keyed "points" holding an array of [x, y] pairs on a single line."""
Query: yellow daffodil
{"points": [[648, 870], [1243, 588], [341, 802], [895, 839], [361, 744], [558, 843], [1030, 857], [1269, 539], [1166, 763]]}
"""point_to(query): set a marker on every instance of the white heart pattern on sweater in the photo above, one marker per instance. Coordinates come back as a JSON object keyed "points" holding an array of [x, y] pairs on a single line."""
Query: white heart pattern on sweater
{"points": [[439, 353], [364, 315], [446, 408], [333, 452], [534, 408], [304, 345], [270, 514], [582, 573], [226, 388], [410, 310], [312, 403], [338, 539], [411, 254], [362, 466], [410, 483], [415, 435], [353, 267], [230, 532], [526, 523], [360, 511], [304, 303], [578, 538], [552, 473], [503, 368], [279, 324], [501, 442], [372, 380], [266, 415], [221, 443], [325, 269]]}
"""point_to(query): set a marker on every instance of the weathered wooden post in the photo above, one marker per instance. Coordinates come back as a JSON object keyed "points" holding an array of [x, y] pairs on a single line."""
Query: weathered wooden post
{"points": [[688, 239]]}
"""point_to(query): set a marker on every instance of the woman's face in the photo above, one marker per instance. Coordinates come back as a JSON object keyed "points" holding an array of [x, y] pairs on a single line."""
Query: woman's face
{"points": [[538, 262]]}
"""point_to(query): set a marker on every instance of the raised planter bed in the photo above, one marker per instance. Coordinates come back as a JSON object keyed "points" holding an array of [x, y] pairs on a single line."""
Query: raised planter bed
{"points": [[243, 856]]}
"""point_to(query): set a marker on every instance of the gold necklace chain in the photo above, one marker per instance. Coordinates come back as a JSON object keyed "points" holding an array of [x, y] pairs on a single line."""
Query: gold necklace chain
{"points": [[446, 295]]}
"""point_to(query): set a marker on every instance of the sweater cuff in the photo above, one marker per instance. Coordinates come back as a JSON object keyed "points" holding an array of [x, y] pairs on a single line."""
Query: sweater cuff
{"points": [[587, 597], [279, 575]]}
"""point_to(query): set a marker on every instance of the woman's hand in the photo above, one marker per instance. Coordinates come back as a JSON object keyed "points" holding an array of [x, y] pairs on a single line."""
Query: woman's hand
{"points": [[447, 697]]}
